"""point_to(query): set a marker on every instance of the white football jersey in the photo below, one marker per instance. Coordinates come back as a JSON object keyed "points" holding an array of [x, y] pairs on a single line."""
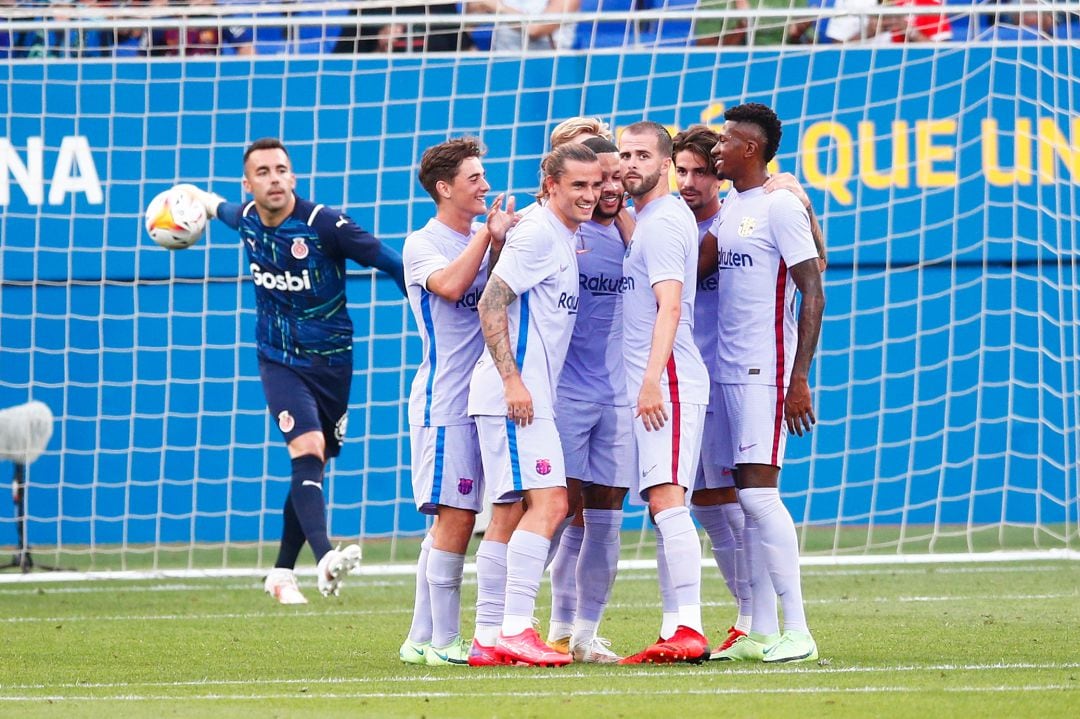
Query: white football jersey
{"points": [[594, 370], [706, 308], [664, 247], [759, 235], [539, 264], [449, 331]]}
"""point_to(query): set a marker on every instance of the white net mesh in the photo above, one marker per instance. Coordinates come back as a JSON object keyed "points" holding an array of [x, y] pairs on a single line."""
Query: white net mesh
{"points": [[946, 176]]}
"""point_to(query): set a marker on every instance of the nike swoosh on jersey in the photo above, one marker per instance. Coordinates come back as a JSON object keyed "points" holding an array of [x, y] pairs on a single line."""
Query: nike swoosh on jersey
{"points": [[645, 473], [743, 448], [309, 483]]}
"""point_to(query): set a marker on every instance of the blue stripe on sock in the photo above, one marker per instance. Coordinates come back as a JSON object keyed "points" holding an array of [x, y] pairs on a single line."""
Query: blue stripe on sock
{"points": [[429, 325], [440, 448]]}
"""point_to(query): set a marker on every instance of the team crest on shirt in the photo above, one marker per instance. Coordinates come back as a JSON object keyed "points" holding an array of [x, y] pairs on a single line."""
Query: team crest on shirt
{"points": [[746, 227], [285, 421], [340, 427], [299, 248], [543, 467], [464, 485]]}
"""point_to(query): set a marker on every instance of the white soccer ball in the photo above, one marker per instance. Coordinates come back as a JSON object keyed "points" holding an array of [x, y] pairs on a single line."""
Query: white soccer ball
{"points": [[175, 219]]}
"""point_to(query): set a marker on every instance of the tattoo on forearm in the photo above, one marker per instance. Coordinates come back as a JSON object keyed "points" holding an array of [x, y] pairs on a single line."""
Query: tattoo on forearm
{"points": [[495, 325], [808, 279]]}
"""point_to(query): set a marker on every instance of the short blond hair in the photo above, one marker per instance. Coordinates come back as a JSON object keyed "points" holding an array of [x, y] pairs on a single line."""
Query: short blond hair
{"points": [[572, 128]]}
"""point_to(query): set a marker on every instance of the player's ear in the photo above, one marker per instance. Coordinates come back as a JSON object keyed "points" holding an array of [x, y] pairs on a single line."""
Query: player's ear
{"points": [[246, 185], [442, 189]]}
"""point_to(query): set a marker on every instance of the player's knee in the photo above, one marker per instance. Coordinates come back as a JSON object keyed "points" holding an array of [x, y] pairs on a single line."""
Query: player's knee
{"points": [[312, 443], [598, 496]]}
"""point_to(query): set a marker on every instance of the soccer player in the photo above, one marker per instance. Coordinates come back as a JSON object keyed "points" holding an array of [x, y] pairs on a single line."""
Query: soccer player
{"points": [[713, 503], [764, 353], [526, 313], [445, 271], [666, 377], [296, 251], [595, 427]]}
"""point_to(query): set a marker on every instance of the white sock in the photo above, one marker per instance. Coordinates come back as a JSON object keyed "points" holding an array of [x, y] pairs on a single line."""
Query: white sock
{"points": [[598, 563], [444, 573], [490, 590], [780, 546], [564, 594], [683, 552], [420, 631], [669, 622], [762, 594], [736, 519], [713, 520], [526, 554], [584, 631]]}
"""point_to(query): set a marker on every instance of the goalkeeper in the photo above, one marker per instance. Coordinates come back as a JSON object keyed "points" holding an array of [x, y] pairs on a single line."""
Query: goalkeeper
{"points": [[296, 251]]}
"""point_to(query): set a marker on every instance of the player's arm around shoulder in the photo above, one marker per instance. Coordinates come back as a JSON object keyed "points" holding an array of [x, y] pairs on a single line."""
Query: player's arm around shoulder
{"points": [[787, 181]]}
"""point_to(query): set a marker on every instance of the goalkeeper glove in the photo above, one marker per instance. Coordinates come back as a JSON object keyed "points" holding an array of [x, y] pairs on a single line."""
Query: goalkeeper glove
{"points": [[208, 199]]}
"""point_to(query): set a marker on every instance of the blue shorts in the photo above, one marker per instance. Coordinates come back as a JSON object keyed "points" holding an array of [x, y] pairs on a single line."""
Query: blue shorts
{"points": [[308, 399]]}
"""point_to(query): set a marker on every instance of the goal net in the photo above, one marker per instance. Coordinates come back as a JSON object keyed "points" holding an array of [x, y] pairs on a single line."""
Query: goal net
{"points": [[946, 176]]}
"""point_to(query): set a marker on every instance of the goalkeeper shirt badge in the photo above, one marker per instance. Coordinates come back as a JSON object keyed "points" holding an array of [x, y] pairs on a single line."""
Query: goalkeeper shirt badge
{"points": [[299, 248], [746, 227]]}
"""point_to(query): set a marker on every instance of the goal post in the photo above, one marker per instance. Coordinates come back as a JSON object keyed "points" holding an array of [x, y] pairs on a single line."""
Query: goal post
{"points": [[947, 177]]}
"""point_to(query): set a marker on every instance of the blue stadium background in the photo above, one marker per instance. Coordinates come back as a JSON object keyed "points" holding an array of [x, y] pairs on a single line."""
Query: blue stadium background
{"points": [[964, 295]]}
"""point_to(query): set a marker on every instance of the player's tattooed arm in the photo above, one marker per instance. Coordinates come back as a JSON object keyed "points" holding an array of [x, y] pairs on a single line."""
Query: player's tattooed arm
{"points": [[798, 405], [495, 324], [819, 238]]}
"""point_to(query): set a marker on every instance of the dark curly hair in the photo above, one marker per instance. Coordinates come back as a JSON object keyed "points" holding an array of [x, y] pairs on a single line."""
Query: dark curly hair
{"points": [[763, 117]]}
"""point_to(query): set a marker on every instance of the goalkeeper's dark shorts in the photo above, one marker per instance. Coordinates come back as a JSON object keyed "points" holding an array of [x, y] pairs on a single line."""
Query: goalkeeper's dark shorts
{"points": [[308, 399]]}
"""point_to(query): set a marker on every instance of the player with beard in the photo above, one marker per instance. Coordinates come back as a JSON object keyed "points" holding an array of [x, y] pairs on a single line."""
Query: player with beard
{"points": [[666, 377]]}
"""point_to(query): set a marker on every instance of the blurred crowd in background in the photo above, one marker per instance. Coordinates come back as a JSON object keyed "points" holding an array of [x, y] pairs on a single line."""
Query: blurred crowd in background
{"points": [[226, 29]]}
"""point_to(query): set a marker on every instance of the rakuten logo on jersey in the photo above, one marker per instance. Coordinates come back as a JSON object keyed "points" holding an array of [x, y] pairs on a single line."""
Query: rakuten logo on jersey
{"points": [[287, 282], [729, 259], [569, 303], [604, 285], [469, 300]]}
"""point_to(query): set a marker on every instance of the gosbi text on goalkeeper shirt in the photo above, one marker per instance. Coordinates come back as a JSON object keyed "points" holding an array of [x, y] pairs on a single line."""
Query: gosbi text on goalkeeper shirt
{"points": [[759, 235], [539, 265], [664, 246]]}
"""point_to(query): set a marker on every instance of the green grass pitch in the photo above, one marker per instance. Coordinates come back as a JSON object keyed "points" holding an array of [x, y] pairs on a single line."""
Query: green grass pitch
{"points": [[955, 640]]}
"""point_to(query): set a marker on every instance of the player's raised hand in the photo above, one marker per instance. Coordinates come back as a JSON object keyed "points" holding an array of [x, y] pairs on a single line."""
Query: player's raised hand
{"points": [[500, 221], [798, 407], [519, 404], [650, 405], [208, 199]]}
